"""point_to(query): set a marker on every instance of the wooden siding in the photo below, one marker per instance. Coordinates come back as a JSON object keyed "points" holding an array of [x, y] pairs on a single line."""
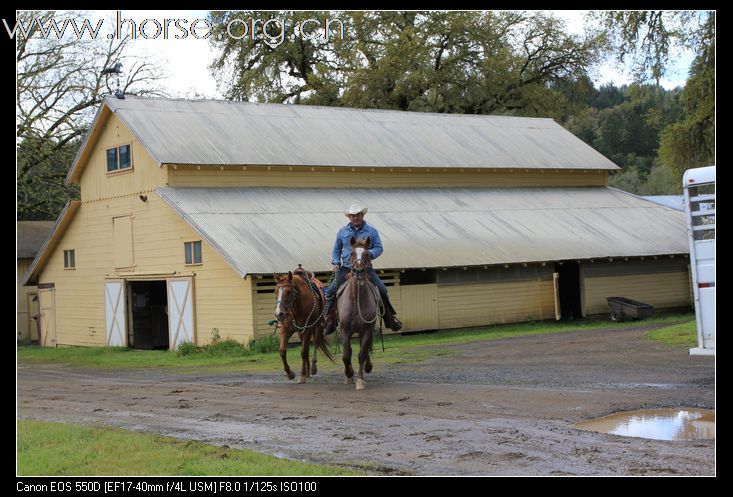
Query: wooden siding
{"points": [[660, 290], [223, 299], [476, 304], [208, 176], [419, 307], [97, 184], [26, 327]]}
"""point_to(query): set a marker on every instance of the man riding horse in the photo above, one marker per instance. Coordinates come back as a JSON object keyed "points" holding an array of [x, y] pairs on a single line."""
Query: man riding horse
{"points": [[357, 228]]}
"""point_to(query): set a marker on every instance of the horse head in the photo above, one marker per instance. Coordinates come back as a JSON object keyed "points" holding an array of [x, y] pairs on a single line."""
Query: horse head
{"points": [[360, 260], [286, 293]]}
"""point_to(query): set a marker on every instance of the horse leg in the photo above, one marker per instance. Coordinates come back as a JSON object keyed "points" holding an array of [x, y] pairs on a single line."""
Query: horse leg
{"points": [[304, 357], [283, 349], [348, 370], [363, 360], [314, 363]]}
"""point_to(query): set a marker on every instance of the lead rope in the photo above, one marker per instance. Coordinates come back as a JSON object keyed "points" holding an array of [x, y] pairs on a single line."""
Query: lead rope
{"points": [[378, 311]]}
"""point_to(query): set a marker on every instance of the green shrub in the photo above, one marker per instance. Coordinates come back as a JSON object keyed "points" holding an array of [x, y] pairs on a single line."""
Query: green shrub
{"points": [[186, 348], [227, 347], [265, 344]]}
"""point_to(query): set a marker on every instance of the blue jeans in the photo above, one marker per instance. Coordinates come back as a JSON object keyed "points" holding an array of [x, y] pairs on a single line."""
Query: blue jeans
{"points": [[341, 276]]}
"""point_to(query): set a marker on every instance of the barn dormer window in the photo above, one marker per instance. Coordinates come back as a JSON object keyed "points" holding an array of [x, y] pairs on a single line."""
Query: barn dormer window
{"points": [[118, 158]]}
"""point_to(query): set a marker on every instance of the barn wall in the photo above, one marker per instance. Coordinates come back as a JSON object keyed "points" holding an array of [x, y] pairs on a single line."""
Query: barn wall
{"points": [[305, 178], [223, 299], [491, 303], [660, 282], [96, 183]]}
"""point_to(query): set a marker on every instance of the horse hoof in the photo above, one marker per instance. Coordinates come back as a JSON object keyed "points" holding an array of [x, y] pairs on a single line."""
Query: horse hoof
{"points": [[348, 381], [368, 367], [290, 375], [301, 380], [314, 370], [360, 384]]}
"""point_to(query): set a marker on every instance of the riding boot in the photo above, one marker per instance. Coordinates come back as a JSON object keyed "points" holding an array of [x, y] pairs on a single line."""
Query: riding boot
{"points": [[390, 316], [330, 317]]}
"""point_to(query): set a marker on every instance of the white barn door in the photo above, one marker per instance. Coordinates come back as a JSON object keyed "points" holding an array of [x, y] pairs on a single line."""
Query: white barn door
{"points": [[180, 312], [114, 302]]}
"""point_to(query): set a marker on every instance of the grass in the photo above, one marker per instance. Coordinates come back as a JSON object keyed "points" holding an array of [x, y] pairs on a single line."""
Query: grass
{"points": [[54, 449], [679, 335], [227, 355]]}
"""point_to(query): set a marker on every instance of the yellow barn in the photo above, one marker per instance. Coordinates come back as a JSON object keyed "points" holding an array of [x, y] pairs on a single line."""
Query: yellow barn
{"points": [[188, 207]]}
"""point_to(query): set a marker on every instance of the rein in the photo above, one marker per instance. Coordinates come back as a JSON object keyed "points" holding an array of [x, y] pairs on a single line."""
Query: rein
{"points": [[372, 288]]}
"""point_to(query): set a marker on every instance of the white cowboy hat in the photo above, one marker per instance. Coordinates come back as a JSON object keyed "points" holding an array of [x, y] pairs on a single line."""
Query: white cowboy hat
{"points": [[356, 209]]}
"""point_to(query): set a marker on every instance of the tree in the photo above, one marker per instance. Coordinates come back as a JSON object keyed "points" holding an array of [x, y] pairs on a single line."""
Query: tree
{"points": [[41, 191], [59, 85], [691, 142], [460, 62], [645, 38]]}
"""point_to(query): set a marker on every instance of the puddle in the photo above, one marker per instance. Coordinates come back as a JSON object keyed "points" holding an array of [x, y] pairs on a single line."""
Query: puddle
{"points": [[657, 424]]}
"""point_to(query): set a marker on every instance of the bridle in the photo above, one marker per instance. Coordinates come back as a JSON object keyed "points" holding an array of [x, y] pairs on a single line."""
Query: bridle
{"points": [[359, 266], [288, 307]]}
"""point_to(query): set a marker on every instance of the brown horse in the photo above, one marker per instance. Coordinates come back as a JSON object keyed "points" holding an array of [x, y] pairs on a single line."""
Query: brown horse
{"points": [[358, 309], [299, 308]]}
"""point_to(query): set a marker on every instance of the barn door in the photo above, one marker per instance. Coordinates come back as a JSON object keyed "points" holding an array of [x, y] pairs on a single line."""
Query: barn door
{"points": [[114, 302], [47, 297], [34, 316], [555, 277], [180, 312]]}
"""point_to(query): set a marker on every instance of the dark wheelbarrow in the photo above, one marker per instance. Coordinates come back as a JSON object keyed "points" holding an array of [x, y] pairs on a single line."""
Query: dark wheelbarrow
{"points": [[623, 308]]}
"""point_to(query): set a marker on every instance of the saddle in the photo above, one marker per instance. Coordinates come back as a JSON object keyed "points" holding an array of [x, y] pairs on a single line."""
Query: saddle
{"points": [[314, 283]]}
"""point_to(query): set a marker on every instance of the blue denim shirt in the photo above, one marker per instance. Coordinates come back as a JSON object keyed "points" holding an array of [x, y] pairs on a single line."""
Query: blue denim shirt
{"points": [[342, 248]]}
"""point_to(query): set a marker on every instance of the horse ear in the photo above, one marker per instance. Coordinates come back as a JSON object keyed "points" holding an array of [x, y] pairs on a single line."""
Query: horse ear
{"points": [[290, 276], [369, 242], [276, 276], [353, 241]]}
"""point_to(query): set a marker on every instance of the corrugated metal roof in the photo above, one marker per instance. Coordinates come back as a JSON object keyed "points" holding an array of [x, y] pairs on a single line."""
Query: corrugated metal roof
{"points": [[31, 236], [672, 201], [240, 133], [261, 230], [53, 237]]}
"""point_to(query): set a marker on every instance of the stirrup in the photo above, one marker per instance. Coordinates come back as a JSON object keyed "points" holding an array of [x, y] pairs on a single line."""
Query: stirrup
{"points": [[330, 329], [396, 324]]}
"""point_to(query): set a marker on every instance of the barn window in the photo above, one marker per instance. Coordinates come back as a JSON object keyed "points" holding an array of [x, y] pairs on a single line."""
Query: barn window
{"points": [[193, 252], [69, 259], [118, 158], [417, 277]]}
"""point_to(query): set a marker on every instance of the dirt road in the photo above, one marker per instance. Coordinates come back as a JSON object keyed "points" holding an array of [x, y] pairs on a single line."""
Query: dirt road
{"points": [[504, 407]]}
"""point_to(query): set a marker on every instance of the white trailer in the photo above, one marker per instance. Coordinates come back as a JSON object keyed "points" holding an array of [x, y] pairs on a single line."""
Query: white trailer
{"points": [[699, 192]]}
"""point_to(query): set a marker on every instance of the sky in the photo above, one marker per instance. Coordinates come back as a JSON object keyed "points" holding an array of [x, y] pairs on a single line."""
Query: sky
{"points": [[185, 61]]}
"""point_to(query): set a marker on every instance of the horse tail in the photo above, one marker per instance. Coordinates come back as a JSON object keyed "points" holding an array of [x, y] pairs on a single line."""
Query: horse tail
{"points": [[319, 340]]}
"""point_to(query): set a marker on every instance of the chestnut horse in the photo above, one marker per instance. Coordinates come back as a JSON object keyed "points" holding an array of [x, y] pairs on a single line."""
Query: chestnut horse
{"points": [[299, 308], [359, 306]]}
